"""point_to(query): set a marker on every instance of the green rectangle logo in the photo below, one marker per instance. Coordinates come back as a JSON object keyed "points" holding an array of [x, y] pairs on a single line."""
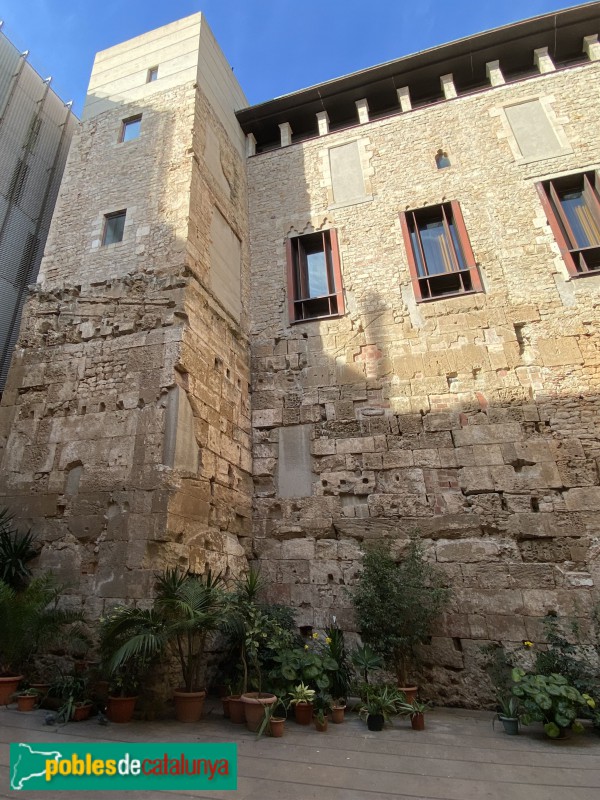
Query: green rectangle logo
{"points": [[121, 766]]}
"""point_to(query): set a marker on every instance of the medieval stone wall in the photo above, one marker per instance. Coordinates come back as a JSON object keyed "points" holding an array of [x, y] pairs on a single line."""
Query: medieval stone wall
{"points": [[126, 421], [473, 420]]}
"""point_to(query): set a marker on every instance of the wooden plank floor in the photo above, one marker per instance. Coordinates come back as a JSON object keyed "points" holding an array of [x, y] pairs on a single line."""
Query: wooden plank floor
{"points": [[458, 757]]}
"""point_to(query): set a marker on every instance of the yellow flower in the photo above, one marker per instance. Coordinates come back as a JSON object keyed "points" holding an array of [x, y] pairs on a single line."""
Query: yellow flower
{"points": [[306, 647], [315, 635], [528, 644], [327, 640]]}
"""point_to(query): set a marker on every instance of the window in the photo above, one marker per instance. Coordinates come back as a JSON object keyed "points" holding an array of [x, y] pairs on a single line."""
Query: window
{"points": [[114, 225], [440, 258], [314, 276], [572, 206], [152, 75], [130, 128], [441, 159]]}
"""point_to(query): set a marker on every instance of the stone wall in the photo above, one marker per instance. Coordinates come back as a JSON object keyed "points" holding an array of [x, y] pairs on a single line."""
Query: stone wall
{"points": [[473, 420], [126, 421]]}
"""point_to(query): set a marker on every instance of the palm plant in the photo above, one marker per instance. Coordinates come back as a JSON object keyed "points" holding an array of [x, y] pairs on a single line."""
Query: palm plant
{"points": [[186, 610], [16, 550], [30, 620]]}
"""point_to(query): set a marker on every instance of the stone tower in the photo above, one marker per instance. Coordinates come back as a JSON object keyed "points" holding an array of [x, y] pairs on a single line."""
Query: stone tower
{"points": [[125, 422]]}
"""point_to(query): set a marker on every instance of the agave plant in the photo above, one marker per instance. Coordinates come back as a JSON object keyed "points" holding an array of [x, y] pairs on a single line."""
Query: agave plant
{"points": [[186, 610]]}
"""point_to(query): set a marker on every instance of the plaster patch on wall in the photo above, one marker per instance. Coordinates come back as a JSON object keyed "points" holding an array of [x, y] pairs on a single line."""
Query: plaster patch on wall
{"points": [[225, 264], [294, 468]]}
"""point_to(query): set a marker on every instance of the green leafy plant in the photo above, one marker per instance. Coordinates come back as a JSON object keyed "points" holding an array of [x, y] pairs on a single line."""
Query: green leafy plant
{"points": [[339, 678], [381, 699], [186, 610], [271, 712], [322, 706], [30, 621], [550, 699], [509, 707], [16, 551], [397, 604], [302, 664], [301, 694], [366, 660], [416, 707]]}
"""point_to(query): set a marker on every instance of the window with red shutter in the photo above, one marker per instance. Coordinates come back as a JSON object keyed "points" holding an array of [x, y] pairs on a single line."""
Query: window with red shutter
{"points": [[572, 206], [440, 257], [314, 276]]}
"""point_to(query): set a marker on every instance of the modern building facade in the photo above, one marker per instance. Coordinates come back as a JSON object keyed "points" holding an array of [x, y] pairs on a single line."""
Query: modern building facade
{"points": [[365, 309], [36, 128]]}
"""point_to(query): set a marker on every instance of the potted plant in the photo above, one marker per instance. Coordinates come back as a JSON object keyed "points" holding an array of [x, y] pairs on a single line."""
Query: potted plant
{"points": [[338, 710], [273, 724], [380, 702], [397, 605], [71, 690], [30, 620], [321, 711], [339, 678], [550, 699], [187, 609], [416, 711], [26, 699], [302, 698], [508, 714]]}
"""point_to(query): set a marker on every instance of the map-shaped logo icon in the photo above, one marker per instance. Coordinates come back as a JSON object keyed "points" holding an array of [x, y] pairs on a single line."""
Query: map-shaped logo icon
{"points": [[30, 763]]}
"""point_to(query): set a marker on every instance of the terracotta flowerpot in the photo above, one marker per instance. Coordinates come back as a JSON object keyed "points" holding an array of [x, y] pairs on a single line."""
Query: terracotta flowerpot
{"points": [[254, 708], [225, 702], [8, 686], [82, 712], [276, 726], [304, 713], [417, 721], [42, 689], [337, 714], [26, 702], [321, 727], [410, 692], [120, 709], [189, 706], [237, 709]]}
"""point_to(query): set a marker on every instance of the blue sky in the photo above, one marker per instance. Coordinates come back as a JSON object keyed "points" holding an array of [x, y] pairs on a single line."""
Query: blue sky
{"points": [[274, 46]]}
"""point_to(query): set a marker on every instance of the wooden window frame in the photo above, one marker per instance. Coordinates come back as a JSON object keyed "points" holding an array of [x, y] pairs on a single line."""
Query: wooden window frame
{"points": [[107, 219], [426, 286], [302, 308], [576, 258]]}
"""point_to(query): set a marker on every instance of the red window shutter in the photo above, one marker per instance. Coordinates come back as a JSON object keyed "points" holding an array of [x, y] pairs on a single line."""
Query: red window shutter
{"points": [[337, 271], [466, 246], [557, 230], [290, 280], [412, 264]]}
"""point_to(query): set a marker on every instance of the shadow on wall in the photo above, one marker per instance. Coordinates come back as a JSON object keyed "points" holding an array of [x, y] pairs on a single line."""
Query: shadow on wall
{"points": [[398, 418]]}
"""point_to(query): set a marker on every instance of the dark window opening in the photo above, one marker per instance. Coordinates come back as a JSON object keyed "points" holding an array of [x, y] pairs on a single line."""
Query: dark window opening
{"points": [[441, 159], [314, 276], [114, 226]]}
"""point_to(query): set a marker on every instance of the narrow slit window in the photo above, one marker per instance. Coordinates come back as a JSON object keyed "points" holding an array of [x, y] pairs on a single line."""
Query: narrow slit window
{"points": [[152, 75], [114, 226]]}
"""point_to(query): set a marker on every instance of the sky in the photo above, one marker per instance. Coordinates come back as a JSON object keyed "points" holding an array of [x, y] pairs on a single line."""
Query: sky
{"points": [[274, 46]]}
